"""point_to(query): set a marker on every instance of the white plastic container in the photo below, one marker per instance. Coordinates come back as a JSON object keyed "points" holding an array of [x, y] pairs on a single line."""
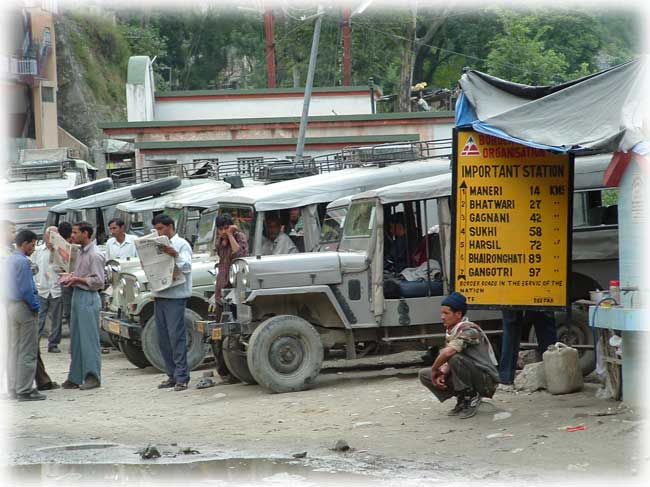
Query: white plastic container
{"points": [[562, 369]]}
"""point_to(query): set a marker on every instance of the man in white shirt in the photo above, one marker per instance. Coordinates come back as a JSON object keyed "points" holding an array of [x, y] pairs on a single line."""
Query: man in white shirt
{"points": [[169, 308], [49, 292], [121, 245], [276, 241]]}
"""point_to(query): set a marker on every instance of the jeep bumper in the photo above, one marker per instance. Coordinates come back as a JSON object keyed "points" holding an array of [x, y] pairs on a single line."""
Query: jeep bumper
{"points": [[114, 326], [213, 331]]}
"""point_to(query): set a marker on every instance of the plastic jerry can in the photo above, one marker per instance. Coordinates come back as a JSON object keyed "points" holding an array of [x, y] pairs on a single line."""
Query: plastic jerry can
{"points": [[562, 369]]}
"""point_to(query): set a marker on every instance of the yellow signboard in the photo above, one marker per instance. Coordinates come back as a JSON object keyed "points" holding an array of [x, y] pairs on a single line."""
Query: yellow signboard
{"points": [[512, 211]]}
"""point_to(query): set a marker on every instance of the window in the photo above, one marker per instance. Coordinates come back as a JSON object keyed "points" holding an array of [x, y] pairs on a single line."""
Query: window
{"points": [[595, 208], [176, 214], [333, 226], [135, 224], [360, 220], [47, 94], [242, 217], [206, 228]]}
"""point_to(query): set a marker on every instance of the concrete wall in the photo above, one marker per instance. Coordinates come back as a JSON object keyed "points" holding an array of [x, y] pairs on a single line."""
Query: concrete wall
{"points": [[183, 108], [45, 113], [68, 140], [426, 128], [45, 117], [140, 90]]}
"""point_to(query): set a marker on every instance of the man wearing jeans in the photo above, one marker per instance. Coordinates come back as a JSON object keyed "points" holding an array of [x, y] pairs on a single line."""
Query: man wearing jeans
{"points": [[65, 230], [169, 308], [23, 309], [544, 323], [49, 292]]}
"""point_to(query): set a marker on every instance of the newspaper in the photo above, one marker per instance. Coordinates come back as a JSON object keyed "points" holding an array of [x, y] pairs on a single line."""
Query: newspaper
{"points": [[159, 267], [64, 253]]}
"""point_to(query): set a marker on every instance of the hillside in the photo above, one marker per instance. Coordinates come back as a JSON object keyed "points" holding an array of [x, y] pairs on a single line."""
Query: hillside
{"points": [[92, 57]]}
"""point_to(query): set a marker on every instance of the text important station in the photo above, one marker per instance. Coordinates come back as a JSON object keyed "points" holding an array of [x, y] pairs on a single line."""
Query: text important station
{"points": [[511, 226]]}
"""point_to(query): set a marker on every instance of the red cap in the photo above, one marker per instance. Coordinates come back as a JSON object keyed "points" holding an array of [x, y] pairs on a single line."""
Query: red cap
{"points": [[614, 283]]}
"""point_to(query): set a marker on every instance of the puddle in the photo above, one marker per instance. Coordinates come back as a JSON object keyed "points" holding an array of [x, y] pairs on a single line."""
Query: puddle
{"points": [[212, 472], [80, 446]]}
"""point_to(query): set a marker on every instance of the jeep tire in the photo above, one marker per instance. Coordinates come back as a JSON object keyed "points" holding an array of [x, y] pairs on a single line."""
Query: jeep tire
{"points": [[155, 187], [134, 354], [87, 189], [285, 354], [196, 349], [580, 333], [234, 356]]}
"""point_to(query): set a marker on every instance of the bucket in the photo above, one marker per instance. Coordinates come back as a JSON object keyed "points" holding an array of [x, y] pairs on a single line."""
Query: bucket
{"points": [[598, 296], [562, 369]]}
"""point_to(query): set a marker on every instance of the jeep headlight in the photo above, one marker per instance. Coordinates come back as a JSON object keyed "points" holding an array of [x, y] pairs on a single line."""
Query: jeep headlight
{"points": [[232, 273], [244, 274], [136, 289], [112, 270]]}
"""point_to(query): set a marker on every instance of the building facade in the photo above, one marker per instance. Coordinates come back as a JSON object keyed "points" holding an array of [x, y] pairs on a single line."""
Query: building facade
{"points": [[184, 127], [29, 75]]}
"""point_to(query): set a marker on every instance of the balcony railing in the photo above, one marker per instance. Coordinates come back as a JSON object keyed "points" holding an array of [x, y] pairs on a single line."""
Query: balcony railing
{"points": [[23, 66]]}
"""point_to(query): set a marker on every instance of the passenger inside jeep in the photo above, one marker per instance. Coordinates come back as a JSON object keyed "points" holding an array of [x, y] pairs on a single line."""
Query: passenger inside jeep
{"points": [[412, 256], [275, 239]]}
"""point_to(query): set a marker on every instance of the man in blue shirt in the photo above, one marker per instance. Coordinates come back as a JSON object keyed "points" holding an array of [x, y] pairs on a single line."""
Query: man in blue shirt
{"points": [[169, 307], [23, 310]]}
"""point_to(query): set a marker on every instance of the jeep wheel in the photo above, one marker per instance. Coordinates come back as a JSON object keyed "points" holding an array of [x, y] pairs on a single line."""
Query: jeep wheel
{"points": [[285, 354], [115, 342], [579, 334], [134, 354], [156, 187], [90, 188], [196, 349], [234, 356]]}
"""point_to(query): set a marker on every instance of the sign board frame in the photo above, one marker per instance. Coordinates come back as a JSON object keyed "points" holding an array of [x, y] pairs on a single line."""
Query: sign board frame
{"points": [[568, 231]]}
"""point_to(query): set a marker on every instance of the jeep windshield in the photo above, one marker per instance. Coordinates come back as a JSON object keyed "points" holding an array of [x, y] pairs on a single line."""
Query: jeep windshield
{"points": [[242, 217], [332, 229], [134, 223], [204, 234], [359, 220], [176, 214]]}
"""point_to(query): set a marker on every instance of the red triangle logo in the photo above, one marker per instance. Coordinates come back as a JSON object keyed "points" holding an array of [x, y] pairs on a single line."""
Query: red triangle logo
{"points": [[470, 149]]}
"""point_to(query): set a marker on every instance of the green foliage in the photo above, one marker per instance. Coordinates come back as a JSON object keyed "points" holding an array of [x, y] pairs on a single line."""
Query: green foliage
{"points": [[621, 40], [221, 47], [551, 47], [103, 54], [610, 196], [520, 55]]}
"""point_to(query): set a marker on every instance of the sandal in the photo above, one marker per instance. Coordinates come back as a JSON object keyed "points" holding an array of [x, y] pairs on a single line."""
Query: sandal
{"points": [[204, 383]]}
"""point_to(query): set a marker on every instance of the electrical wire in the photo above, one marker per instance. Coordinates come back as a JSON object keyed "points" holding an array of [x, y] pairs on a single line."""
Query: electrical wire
{"points": [[469, 56]]}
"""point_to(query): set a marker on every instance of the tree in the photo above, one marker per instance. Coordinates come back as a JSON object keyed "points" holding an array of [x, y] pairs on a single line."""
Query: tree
{"points": [[415, 48], [147, 41], [521, 56]]}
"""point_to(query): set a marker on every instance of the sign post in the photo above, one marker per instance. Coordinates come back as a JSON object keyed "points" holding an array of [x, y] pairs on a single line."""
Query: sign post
{"points": [[512, 214]]}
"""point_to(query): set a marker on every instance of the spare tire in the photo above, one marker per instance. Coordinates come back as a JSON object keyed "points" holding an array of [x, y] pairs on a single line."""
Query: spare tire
{"points": [[196, 349], [134, 354], [156, 187], [93, 187]]}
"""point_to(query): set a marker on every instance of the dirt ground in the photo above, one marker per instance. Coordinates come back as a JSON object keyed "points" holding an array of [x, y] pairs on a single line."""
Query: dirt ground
{"points": [[397, 431]]}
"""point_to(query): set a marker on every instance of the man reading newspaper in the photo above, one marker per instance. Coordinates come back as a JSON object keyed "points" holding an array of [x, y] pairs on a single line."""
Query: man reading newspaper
{"points": [[167, 262]]}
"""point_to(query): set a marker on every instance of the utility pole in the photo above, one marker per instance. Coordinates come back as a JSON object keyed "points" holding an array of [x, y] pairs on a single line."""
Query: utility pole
{"points": [[347, 62], [270, 47], [300, 148]]}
